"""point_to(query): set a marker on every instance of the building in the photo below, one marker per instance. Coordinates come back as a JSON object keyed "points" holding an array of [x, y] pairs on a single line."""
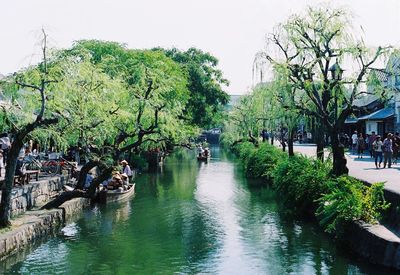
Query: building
{"points": [[379, 112]]}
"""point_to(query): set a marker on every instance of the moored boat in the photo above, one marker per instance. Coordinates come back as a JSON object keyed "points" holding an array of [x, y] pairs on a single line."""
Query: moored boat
{"points": [[115, 195]]}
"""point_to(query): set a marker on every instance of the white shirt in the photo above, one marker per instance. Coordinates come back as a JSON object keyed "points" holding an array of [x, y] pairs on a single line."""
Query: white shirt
{"points": [[354, 138], [127, 170]]}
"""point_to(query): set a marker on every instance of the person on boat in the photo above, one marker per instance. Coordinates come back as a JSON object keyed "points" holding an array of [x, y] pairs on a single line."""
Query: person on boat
{"points": [[200, 151], [126, 169], [116, 183], [206, 152], [125, 181], [88, 180]]}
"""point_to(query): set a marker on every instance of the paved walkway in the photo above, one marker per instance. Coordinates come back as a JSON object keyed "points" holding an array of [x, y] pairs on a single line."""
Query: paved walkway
{"points": [[363, 169]]}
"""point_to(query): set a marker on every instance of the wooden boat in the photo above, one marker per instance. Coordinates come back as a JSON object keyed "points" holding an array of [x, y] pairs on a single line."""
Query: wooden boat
{"points": [[107, 196]]}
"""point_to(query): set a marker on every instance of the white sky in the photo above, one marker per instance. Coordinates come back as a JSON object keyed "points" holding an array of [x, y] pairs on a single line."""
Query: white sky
{"points": [[232, 30]]}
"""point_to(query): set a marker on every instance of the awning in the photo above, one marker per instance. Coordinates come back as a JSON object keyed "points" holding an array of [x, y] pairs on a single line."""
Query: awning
{"points": [[352, 120], [379, 115]]}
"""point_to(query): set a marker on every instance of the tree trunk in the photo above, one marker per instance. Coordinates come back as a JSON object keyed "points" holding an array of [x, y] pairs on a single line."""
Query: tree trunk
{"points": [[319, 140], [90, 193], [339, 159], [5, 206], [290, 142]]}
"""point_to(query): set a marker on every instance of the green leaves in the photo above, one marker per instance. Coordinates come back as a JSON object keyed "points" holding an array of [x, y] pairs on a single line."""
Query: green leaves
{"points": [[347, 200], [205, 83], [108, 94]]}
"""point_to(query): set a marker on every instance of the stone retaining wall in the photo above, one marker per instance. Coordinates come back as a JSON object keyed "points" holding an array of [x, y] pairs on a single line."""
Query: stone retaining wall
{"points": [[36, 224], [376, 243], [35, 194]]}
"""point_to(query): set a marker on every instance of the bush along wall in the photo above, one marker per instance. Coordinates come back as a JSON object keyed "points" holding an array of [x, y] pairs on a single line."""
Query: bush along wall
{"points": [[306, 187]]}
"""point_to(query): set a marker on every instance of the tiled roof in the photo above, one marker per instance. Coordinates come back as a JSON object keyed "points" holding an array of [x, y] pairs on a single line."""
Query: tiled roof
{"points": [[380, 114]]}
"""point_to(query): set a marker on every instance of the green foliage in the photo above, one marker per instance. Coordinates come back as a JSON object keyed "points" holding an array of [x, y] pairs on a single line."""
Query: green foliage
{"points": [[259, 162], [347, 200], [205, 83], [263, 161], [106, 94], [300, 182], [306, 186]]}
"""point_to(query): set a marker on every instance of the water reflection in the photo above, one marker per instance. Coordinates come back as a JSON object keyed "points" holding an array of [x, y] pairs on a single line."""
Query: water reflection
{"points": [[192, 217]]}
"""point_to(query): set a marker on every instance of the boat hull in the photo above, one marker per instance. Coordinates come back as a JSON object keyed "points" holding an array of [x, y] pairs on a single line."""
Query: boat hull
{"points": [[115, 196]]}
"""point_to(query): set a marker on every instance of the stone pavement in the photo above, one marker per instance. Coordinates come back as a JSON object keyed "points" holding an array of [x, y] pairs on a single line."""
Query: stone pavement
{"points": [[363, 169]]}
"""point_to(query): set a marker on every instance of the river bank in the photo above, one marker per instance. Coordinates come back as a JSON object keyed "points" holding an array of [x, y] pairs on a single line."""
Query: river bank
{"points": [[345, 207], [35, 224]]}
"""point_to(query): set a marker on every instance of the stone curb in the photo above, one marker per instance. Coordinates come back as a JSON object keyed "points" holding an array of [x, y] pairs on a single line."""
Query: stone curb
{"points": [[36, 224]]}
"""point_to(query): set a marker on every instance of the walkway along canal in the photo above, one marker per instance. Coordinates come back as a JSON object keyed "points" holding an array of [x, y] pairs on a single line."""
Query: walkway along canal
{"points": [[190, 217]]}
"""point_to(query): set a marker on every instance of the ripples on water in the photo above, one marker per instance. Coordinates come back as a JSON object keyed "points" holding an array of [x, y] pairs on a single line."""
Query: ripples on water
{"points": [[191, 218]]}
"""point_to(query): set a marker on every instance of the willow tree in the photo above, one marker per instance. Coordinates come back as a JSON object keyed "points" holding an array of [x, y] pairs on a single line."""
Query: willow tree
{"points": [[151, 108], [89, 101], [313, 47], [29, 92]]}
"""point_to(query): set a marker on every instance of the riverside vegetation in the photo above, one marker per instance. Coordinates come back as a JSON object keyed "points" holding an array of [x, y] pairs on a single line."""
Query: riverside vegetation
{"points": [[307, 187]]}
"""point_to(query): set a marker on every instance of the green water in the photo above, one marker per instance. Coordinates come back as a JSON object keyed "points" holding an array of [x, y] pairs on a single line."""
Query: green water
{"points": [[190, 218]]}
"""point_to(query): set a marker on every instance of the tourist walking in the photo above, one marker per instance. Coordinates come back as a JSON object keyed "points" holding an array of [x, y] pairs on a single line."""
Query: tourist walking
{"points": [[377, 145], [387, 151], [360, 146]]}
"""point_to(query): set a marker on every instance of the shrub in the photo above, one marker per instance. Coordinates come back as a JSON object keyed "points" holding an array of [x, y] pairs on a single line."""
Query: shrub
{"points": [[306, 186], [300, 181], [348, 199], [262, 162], [259, 162], [244, 151]]}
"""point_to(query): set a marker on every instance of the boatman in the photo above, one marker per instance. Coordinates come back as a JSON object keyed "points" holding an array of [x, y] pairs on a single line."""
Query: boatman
{"points": [[126, 169], [200, 150]]}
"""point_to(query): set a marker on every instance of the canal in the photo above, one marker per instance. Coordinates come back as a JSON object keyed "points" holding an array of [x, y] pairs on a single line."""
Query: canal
{"points": [[190, 218]]}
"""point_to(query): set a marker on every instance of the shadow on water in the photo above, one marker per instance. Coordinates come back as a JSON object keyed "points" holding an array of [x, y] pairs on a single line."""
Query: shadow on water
{"points": [[191, 217]]}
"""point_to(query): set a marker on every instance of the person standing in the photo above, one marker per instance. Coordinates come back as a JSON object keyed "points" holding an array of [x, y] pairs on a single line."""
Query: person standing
{"points": [[360, 146], [5, 146], [396, 147], [377, 145], [354, 138], [387, 151], [371, 140], [126, 169]]}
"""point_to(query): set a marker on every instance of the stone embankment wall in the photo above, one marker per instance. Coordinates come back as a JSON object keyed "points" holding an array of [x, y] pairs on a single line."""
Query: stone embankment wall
{"points": [[35, 194], [36, 224], [374, 242]]}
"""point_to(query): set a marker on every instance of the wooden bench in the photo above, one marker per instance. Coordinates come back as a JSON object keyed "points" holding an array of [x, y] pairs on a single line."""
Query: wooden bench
{"points": [[29, 173], [26, 178]]}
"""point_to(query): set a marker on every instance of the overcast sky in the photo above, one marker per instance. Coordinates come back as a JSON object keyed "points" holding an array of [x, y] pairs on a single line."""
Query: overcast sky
{"points": [[232, 30]]}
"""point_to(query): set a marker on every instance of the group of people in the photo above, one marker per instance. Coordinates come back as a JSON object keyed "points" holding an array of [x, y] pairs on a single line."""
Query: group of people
{"points": [[120, 179], [386, 150], [203, 152]]}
